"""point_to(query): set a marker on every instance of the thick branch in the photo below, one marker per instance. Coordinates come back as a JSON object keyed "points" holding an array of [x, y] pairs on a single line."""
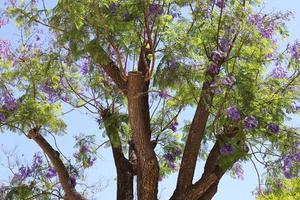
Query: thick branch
{"points": [[123, 167], [100, 57], [148, 169], [195, 136], [63, 174]]}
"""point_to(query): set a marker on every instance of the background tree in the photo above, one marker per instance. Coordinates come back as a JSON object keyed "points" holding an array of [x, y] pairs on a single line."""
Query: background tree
{"points": [[136, 66]]}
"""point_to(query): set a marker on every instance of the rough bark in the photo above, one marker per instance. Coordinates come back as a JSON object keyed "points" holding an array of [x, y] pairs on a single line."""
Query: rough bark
{"points": [[139, 117], [58, 165], [195, 136], [123, 167]]}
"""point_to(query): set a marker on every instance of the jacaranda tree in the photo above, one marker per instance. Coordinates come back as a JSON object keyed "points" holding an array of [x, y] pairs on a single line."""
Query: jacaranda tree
{"points": [[169, 82]]}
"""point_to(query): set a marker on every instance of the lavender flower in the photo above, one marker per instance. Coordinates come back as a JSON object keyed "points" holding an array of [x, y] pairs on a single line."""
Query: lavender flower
{"points": [[2, 117], [250, 122], [220, 3], [294, 50], [169, 157], [73, 181], [50, 173], [233, 113], [297, 157], [217, 56], [24, 173], [225, 44], [163, 94], [238, 171], [9, 103], [266, 26], [215, 89], [3, 22], [37, 161], [214, 69], [155, 9], [229, 81], [273, 128], [84, 68], [173, 126], [4, 49], [226, 149], [279, 72], [113, 8]]}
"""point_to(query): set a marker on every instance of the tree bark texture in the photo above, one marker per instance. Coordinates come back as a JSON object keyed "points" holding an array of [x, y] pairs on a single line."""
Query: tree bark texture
{"points": [[139, 117]]}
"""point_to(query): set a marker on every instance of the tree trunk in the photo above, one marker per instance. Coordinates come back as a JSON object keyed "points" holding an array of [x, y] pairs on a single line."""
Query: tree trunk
{"points": [[139, 117]]}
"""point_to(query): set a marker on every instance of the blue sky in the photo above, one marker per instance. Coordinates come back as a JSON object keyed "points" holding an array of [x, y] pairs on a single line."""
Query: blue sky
{"points": [[80, 122]]}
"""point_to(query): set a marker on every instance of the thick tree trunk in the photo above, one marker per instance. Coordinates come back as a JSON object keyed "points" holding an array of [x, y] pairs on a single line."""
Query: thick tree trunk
{"points": [[139, 117], [63, 174]]}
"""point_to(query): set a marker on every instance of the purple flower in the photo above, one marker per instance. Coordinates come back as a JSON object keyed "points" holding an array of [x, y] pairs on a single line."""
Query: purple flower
{"points": [[250, 122], [215, 89], [73, 181], [37, 161], [229, 81], [173, 126], [50, 173], [214, 69], [225, 44], [172, 165], [163, 94], [113, 8], [84, 68], [279, 72], [297, 157], [24, 172], [233, 113], [155, 9], [294, 50], [287, 174], [169, 157], [287, 162], [2, 117], [266, 26], [91, 161], [226, 149], [9, 103], [4, 48], [3, 22], [238, 171], [273, 128], [220, 3], [85, 149], [217, 56]]}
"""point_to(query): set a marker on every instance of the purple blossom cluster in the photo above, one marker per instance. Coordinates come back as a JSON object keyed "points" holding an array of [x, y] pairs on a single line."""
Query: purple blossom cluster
{"points": [[250, 122], [215, 88], [4, 49], [51, 173], [233, 113], [226, 149], [163, 94], [279, 73], [85, 155], [287, 163], [7, 104], [219, 3], [217, 56], [171, 157], [84, 66], [27, 171], [113, 8], [294, 50], [273, 128], [173, 125], [265, 25], [238, 171], [214, 69], [155, 9], [229, 81], [225, 44]]}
